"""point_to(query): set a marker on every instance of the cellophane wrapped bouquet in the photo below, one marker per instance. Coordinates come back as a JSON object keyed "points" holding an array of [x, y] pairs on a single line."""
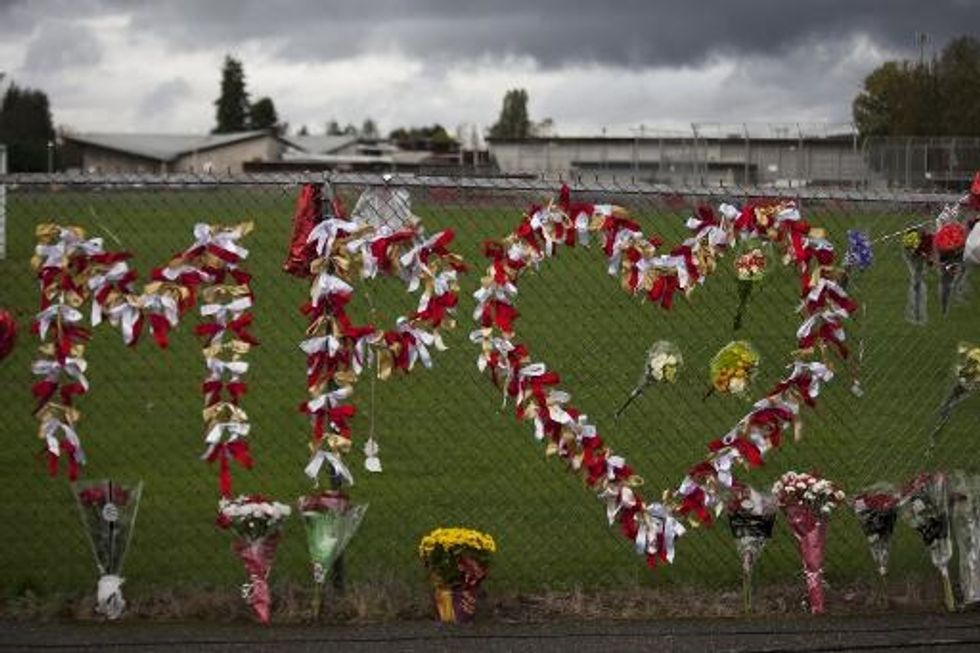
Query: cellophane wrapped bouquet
{"points": [[807, 500], [663, 363], [925, 506], [750, 269], [949, 241], [965, 494], [331, 520], [917, 250], [876, 509], [966, 381], [457, 559], [733, 367], [257, 523], [108, 510], [751, 515]]}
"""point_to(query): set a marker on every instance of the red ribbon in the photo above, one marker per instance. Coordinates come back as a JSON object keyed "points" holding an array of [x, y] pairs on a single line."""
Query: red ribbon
{"points": [[224, 453], [69, 451]]}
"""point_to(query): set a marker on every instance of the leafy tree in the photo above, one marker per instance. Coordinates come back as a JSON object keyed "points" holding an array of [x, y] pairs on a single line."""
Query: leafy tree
{"points": [[350, 130], [333, 128], [262, 115], [958, 87], [232, 107], [432, 139], [26, 128], [936, 98], [369, 129], [303, 131], [513, 121]]}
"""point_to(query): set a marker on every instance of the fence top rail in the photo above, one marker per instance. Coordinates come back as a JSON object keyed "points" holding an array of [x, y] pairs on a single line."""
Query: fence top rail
{"points": [[545, 184]]}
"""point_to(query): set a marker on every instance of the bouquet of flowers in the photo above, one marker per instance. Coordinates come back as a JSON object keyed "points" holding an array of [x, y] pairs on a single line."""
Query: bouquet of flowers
{"points": [[876, 508], [457, 560], [664, 361], [750, 269], [859, 256], [733, 367], [967, 374], [331, 521], [949, 241], [926, 509], [807, 501], [965, 495], [917, 250], [257, 524], [108, 512], [751, 515]]}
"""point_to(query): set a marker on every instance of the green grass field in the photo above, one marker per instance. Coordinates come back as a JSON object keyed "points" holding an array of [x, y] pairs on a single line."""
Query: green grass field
{"points": [[451, 454]]}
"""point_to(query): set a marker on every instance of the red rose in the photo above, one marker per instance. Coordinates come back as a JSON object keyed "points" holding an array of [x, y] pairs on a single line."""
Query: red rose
{"points": [[951, 237]]}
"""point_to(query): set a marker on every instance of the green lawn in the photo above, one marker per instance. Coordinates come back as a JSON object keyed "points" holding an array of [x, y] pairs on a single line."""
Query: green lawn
{"points": [[451, 455]]}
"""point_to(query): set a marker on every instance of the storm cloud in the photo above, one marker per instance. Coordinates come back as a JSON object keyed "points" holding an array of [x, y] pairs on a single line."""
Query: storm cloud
{"points": [[585, 64]]}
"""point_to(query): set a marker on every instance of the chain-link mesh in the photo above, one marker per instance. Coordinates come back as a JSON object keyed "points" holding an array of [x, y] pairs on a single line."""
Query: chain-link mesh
{"points": [[452, 454]]}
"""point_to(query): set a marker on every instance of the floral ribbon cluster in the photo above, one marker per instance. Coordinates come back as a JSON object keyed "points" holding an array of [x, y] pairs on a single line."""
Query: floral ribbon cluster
{"points": [[73, 270], [644, 269], [338, 350]]}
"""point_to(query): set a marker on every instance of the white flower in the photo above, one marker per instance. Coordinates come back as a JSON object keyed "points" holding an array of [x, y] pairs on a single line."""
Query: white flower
{"points": [[826, 509], [839, 495], [736, 385]]}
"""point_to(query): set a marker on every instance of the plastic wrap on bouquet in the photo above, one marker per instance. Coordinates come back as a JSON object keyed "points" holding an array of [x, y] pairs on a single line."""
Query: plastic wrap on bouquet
{"points": [[663, 362], [108, 511], [257, 556], [950, 240], [966, 381], [751, 515], [807, 501], [926, 509], [457, 559], [876, 509], [331, 520], [965, 495], [750, 269], [917, 252], [810, 532], [257, 523]]}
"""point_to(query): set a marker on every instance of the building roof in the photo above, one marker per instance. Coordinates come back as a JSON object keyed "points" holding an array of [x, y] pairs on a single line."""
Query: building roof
{"points": [[163, 147], [320, 143]]}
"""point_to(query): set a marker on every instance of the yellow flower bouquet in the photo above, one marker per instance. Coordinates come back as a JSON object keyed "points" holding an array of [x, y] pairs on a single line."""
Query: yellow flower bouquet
{"points": [[457, 560], [733, 367]]}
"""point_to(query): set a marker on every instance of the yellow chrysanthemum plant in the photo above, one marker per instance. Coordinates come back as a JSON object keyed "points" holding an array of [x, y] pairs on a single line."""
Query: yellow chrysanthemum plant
{"points": [[457, 557]]}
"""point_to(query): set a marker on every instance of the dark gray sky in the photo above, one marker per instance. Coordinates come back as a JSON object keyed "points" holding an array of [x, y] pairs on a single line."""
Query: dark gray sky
{"points": [[154, 65]]}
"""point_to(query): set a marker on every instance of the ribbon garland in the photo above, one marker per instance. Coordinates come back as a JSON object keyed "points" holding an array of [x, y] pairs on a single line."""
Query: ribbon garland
{"points": [[338, 351], [72, 270], [654, 527]]}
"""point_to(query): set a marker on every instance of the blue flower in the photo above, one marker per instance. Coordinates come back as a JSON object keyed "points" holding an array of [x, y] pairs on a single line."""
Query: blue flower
{"points": [[859, 254]]}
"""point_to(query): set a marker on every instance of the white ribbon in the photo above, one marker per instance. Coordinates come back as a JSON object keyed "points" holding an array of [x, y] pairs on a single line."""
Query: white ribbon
{"points": [[329, 399], [316, 462], [419, 350], [48, 315], [622, 242], [223, 238], [109, 597], [830, 316], [55, 254], [49, 431], [237, 430], [327, 284], [124, 316], [118, 270], [325, 233], [73, 367], [218, 368], [162, 305], [173, 273]]}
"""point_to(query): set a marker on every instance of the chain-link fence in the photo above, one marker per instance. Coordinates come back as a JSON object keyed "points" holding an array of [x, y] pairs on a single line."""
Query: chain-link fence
{"points": [[451, 453]]}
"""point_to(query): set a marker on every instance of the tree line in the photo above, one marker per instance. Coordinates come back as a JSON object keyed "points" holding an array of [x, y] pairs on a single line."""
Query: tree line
{"points": [[939, 97]]}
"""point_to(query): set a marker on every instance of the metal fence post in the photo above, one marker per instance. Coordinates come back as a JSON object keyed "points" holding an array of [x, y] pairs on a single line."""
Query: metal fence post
{"points": [[3, 204]]}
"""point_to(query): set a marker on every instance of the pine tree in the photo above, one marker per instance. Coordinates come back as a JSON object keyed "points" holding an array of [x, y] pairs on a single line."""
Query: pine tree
{"points": [[232, 107], [26, 129]]}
